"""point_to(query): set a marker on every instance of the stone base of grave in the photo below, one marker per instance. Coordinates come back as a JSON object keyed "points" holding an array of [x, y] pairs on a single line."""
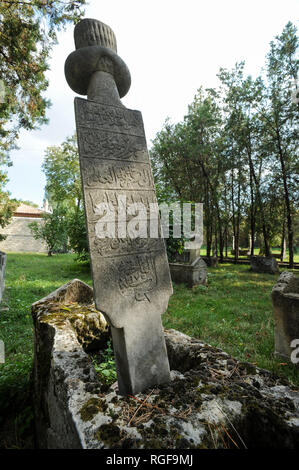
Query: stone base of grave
{"points": [[192, 274], [264, 264], [285, 298], [212, 400], [211, 261]]}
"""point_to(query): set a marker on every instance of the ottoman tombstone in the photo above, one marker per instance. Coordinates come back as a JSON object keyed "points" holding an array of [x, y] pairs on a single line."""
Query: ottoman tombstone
{"points": [[130, 273], [285, 299]]}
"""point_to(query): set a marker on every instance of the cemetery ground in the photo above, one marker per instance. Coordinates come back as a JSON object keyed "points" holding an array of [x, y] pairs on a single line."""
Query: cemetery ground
{"points": [[234, 313]]}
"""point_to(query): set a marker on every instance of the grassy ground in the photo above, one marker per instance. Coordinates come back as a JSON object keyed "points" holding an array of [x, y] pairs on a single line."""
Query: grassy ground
{"points": [[234, 313], [29, 277], [275, 251]]}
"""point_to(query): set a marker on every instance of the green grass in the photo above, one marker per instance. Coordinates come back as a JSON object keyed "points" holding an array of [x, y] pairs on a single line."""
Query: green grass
{"points": [[28, 278], [276, 251], [234, 313]]}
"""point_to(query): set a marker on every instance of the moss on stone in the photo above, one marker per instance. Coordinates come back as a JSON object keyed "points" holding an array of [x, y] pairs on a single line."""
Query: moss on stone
{"points": [[110, 434], [91, 328], [247, 367], [91, 408]]}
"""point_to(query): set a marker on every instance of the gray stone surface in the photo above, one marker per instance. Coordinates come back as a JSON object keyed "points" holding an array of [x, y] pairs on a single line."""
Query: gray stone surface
{"points": [[211, 395], [285, 298], [94, 68], [61, 366], [192, 274], [264, 264], [130, 276]]}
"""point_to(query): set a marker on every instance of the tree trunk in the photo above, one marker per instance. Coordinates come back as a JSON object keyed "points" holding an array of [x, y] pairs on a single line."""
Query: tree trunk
{"points": [[283, 241], [252, 214], [261, 207], [233, 212], [226, 241], [221, 243], [287, 200], [237, 240]]}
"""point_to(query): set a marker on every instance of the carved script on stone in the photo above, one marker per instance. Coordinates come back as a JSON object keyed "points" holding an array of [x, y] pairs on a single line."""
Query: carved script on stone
{"points": [[97, 116], [108, 145]]}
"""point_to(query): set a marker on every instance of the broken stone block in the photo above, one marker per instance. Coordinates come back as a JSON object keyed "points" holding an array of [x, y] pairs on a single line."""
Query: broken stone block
{"points": [[264, 264], [285, 298]]}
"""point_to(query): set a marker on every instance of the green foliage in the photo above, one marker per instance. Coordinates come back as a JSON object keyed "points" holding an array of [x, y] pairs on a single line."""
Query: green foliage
{"points": [[77, 234], [28, 278], [235, 151], [7, 205], [27, 35], [29, 203], [106, 368], [62, 171], [53, 230], [64, 192]]}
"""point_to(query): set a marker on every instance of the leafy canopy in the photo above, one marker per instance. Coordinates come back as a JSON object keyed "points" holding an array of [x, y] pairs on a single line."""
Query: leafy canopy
{"points": [[27, 34]]}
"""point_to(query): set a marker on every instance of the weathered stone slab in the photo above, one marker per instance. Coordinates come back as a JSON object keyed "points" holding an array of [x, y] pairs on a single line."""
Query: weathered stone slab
{"points": [[210, 392], [116, 175], [264, 264], [112, 145], [130, 269], [135, 273], [285, 298]]}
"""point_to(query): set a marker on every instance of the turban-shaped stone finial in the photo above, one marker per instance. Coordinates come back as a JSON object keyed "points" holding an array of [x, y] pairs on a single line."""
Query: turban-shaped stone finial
{"points": [[96, 51]]}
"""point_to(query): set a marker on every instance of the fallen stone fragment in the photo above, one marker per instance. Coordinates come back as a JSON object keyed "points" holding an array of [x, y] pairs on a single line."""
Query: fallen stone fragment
{"points": [[264, 264], [285, 298]]}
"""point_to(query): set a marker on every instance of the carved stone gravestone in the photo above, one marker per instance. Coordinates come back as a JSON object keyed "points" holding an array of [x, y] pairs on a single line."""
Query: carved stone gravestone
{"points": [[130, 273]]}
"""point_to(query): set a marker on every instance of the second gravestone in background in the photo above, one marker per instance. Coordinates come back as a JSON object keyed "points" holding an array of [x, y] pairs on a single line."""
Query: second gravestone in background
{"points": [[130, 275]]}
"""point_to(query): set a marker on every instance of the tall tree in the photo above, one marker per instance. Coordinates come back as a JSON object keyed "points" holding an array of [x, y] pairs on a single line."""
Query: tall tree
{"points": [[235, 151], [281, 118], [64, 192], [62, 171], [7, 205], [53, 230], [186, 158], [27, 34]]}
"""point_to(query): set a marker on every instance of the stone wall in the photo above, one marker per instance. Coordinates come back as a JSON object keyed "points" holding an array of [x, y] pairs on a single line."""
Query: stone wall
{"points": [[20, 238]]}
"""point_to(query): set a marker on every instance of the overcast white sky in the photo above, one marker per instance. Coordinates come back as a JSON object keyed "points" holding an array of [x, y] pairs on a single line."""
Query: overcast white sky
{"points": [[171, 47]]}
